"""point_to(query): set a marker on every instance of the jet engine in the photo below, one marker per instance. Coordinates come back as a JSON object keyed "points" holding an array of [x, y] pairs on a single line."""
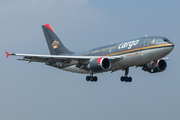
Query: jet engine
{"points": [[100, 64], [154, 67]]}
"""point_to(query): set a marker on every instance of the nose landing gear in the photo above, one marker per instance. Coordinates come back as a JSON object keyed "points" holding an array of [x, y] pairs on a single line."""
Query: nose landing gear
{"points": [[125, 78]]}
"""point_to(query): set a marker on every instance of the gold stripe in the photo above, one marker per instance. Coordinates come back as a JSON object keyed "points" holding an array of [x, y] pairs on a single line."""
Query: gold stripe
{"points": [[131, 51], [140, 49]]}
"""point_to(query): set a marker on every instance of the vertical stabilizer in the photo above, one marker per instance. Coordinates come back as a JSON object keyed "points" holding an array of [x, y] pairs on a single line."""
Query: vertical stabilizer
{"points": [[56, 47]]}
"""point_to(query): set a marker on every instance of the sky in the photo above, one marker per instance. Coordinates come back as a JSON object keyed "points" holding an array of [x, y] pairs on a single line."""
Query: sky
{"points": [[38, 92]]}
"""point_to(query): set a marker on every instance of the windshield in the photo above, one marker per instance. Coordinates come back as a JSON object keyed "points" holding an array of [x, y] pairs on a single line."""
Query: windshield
{"points": [[166, 40]]}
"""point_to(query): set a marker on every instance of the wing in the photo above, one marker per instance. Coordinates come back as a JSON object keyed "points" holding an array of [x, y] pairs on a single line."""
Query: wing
{"points": [[60, 58]]}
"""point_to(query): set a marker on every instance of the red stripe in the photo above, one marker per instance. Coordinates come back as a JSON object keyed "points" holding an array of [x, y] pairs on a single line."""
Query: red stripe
{"points": [[99, 60], [48, 26]]}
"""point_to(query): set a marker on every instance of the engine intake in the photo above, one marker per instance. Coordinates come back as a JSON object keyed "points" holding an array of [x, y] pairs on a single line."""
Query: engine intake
{"points": [[100, 64], [152, 68]]}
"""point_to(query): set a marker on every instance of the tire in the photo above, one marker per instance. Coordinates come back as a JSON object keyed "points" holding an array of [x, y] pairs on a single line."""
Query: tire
{"points": [[126, 79], [87, 78], [95, 79], [122, 79], [91, 78], [130, 79]]}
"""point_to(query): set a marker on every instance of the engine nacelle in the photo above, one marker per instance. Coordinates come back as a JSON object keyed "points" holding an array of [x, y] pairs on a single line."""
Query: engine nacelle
{"points": [[152, 68], [100, 64]]}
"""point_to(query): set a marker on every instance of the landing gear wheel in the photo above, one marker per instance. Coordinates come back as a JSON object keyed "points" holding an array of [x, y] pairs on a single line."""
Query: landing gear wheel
{"points": [[126, 79], [95, 79], [91, 78], [122, 79], [130, 79], [87, 78]]}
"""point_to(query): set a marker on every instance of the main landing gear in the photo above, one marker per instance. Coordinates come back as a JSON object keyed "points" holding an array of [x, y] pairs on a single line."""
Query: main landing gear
{"points": [[91, 78], [125, 78]]}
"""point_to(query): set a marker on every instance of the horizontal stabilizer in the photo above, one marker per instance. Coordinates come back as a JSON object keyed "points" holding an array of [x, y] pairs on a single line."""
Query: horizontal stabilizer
{"points": [[7, 54]]}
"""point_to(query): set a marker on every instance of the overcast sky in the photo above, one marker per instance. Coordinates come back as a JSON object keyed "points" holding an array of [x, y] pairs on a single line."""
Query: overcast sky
{"points": [[38, 92]]}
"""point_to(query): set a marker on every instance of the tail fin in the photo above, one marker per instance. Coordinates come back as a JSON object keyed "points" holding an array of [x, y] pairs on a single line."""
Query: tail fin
{"points": [[56, 47]]}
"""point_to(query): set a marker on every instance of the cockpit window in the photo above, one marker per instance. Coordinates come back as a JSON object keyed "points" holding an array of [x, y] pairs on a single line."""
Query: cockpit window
{"points": [[165, 40]]}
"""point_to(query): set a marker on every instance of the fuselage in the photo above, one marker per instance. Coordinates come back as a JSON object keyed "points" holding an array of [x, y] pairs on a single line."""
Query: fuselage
{"points": [[136, 52]]}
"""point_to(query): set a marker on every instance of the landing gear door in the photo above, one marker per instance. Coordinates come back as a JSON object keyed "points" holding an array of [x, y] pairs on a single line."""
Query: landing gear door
{"points": [[146, 43]]}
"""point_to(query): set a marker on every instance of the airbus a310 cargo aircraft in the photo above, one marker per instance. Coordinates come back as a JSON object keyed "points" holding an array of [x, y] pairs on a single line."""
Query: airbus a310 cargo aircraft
{"points": [[146, 52]]}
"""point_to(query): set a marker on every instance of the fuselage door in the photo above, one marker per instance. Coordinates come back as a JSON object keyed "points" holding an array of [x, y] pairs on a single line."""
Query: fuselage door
{"points": [[146, 43]]}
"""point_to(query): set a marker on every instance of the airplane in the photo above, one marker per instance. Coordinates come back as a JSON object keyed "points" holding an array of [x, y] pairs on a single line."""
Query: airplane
{"points": [[147, 52]]}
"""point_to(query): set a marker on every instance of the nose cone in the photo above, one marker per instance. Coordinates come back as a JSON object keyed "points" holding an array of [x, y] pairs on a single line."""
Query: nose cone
{"points": [[169, 48], [168, 42]]}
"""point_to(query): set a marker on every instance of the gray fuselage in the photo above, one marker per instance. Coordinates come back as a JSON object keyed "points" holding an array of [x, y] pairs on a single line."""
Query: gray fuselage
{"points": [[136, 52]]}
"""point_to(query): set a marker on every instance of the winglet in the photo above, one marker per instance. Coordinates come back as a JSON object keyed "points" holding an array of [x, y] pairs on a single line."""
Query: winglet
{"points": [[7, 54]]}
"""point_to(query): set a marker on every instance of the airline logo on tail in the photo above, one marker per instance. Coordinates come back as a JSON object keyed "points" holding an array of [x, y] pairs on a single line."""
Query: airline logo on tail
{"points": [[55, 44], [153, 41]]}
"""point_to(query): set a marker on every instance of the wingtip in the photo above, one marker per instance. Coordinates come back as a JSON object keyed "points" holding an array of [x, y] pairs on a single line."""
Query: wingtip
{"points": [[7, 54]]}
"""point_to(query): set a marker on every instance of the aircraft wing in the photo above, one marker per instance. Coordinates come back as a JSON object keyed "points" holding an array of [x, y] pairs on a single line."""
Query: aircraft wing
{"points": [[60, 58]]}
